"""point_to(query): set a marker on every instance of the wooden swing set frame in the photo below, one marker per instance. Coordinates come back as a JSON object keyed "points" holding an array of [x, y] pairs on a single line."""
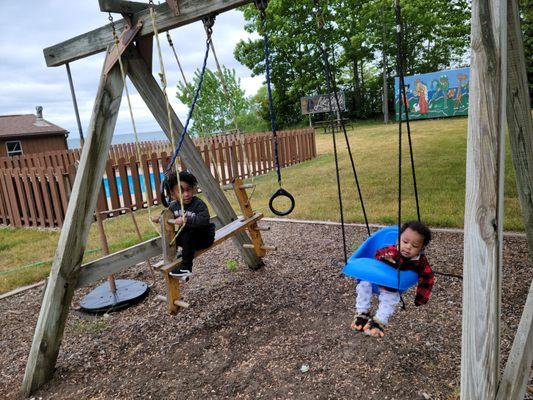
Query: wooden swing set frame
{"points": [[497, 54]]}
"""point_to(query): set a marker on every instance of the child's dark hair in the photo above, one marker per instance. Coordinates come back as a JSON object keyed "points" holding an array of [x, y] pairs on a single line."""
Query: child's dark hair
{"points": [[420, 228], [185, 176]]}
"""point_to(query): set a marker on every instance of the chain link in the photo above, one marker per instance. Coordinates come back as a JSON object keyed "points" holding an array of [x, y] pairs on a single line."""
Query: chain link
{"points": [[209, 21], [115, 37]]}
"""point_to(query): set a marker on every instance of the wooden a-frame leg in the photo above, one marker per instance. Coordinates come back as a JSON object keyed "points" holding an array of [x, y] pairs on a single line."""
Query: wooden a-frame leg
{"points": [[71, 245], [247, 212], [153, 96]]}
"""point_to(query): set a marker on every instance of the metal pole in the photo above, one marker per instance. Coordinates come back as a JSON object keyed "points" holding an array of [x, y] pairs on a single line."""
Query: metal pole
{"points": [[75, 103]]}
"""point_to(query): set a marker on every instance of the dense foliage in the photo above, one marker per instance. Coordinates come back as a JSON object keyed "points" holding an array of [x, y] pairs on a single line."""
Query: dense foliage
{"points": [[360, 35]]}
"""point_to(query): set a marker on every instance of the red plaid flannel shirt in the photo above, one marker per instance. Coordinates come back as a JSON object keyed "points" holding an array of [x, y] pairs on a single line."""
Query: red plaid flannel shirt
{"points": [[420, 266]]}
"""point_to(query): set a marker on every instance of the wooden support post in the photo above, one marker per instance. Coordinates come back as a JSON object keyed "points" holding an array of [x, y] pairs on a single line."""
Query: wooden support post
{"points": [[153, 96], [69, 253], [169, 254], [247, 212], [516, 373], [483, 223], [519, 119]]}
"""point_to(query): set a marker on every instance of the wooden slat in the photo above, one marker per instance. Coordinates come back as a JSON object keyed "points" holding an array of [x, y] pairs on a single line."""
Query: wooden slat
{"points": [[38, 196], [135, 177], [63, 190], [145, 170], [56, 202], [69, 253], [110, 172], [12, 199], [25, 174], [21, 197], [4, 217], [157, 178], [101, 201], [49, 216], [124, 183], [7, 198]]}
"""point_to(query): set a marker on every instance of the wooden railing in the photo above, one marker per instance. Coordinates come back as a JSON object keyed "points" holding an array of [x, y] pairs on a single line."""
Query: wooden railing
{"points": [[34, 189]]}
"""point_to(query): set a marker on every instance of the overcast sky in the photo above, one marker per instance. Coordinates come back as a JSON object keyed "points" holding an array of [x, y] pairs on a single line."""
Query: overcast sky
{"points": [[25, 80]]}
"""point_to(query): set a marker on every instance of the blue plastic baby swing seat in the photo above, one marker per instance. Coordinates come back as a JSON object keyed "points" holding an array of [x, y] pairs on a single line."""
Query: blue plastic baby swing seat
{"points": [[363, 266]]}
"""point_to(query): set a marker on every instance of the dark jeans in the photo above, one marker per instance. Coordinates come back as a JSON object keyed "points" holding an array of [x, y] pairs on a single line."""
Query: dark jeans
{"points": [[192, 240]]}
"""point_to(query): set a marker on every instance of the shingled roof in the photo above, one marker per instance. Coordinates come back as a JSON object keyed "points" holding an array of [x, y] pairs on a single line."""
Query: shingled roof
{"points": [[27, 125]]}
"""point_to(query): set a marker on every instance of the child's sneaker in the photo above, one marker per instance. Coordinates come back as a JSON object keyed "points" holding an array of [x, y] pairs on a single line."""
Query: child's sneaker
{"points": [[359, 322], [374, 328], [180, 272]]}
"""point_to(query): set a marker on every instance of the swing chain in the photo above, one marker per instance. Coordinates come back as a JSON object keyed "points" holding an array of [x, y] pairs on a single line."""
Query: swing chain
{"points": [[208, 22], [110, 18]]}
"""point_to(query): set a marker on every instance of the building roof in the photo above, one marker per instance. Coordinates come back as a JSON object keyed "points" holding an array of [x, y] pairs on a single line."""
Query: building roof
{"points": [[27, 125]]}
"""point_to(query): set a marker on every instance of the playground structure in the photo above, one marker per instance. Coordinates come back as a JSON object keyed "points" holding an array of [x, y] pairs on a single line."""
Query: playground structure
{"points": [[496, 70]]}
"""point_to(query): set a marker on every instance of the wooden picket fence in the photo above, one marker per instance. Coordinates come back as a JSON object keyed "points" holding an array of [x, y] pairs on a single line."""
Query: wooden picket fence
{"points": [[34, 189]]}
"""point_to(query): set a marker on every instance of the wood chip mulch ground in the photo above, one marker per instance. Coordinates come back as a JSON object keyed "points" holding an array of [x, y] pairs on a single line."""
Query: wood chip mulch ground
{"points": [[249, 335]]}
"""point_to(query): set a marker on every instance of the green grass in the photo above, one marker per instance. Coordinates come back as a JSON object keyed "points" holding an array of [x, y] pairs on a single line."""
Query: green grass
{"points": [[440, 156]]}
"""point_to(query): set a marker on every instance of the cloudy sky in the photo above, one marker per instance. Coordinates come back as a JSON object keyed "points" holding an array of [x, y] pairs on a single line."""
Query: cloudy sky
{"points": [[25, 80]]}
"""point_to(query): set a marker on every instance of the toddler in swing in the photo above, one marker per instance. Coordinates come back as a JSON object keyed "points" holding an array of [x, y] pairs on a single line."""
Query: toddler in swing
{"points": [[198, 232], [406, 255]]}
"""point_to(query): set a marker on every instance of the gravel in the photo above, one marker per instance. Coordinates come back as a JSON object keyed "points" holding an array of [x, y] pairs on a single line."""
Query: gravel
{"points": [[278, 333]]}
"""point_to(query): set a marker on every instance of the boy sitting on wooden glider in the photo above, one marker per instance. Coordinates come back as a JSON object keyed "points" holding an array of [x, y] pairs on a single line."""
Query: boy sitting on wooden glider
{"points": [[407, 255], [196, 231]]}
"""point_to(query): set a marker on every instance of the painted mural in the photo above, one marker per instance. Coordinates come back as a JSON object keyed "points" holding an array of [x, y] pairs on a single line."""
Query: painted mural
{"points": [[435, 95]]}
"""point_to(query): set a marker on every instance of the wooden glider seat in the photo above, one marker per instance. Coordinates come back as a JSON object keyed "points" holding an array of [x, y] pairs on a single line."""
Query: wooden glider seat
{"points": [[248, 223]]}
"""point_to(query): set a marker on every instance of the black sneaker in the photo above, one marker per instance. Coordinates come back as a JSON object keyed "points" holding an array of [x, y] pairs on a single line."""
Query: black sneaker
{"points": [[180, 272]]}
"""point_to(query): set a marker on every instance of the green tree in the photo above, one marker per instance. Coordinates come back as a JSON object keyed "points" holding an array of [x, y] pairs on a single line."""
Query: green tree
{"points": [[296, 70], [357, 34], [256, 119], [213, 111]]}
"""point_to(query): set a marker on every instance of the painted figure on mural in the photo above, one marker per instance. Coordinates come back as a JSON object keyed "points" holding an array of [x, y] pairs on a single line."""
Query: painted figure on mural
{"points": [[421, 91], [459, 99]]}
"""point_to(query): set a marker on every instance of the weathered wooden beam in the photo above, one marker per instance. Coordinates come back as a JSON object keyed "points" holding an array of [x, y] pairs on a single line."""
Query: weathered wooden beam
{"points": [[483, 223], [155, 100], [519, 119], [69, 253], [97, 40], [95, 270], [122, 6], [116, 262], [516, 373]]}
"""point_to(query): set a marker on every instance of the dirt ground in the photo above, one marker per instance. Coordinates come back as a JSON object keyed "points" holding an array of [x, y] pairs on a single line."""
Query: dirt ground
{"points": [[247, 334]]}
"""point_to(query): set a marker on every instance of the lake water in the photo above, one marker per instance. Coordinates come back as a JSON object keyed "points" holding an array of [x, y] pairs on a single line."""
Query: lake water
{"points": [[73, 140]]}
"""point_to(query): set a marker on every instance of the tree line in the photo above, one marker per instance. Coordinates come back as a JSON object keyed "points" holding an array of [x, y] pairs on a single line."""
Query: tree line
{"points": [[361, 40]]}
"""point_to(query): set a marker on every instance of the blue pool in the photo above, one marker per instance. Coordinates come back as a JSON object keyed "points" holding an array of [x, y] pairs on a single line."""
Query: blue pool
{"points": [[130, 184]]}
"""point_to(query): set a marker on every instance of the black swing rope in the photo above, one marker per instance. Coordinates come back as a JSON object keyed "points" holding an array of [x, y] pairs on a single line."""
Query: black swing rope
{"points": [[208, 23], [331, 87], [403, 97], [261, 6]]}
